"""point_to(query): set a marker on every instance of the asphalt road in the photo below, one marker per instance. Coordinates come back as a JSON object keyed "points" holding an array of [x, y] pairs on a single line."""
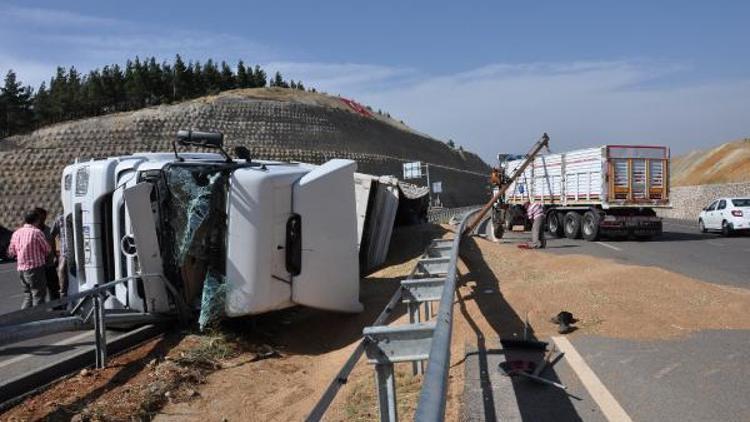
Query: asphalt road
{"points": [[705, 376], [682, 248]]}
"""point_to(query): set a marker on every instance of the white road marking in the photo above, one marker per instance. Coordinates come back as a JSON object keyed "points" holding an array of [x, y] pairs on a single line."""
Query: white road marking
{"points": [[59, 343], [607, 245], [603, 398]]}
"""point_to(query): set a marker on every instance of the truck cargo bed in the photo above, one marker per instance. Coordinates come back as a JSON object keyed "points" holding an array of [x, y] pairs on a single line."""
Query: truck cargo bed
{"points": [[609, 176]]}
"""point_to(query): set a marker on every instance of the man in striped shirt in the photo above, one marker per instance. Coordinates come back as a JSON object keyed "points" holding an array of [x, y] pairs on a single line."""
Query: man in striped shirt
{"points": [[31, 249], [535, 213]]}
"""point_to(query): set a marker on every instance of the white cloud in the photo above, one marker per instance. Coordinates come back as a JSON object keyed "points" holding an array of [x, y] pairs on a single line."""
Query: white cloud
{"points": [[343, 78], [489, 109], [503, 108]]}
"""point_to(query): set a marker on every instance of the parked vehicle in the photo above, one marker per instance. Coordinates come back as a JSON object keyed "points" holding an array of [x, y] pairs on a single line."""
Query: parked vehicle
{"points": [[727, 215], [612, 189]]}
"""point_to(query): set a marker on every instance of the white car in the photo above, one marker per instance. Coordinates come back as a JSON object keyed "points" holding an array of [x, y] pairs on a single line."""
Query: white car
{"points": [[726, 214]]}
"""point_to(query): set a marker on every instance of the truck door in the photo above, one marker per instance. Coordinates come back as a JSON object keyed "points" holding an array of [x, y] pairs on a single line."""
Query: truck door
{"points": [[138, 203], [329, 267]]}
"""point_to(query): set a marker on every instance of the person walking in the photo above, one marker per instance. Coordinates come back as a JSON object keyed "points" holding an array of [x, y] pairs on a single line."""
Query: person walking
{"points": [[31, 249], [50, 270], [535, 213]]}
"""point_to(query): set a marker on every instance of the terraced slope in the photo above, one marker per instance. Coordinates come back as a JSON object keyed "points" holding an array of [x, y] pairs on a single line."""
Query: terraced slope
{"points": [[727, 163], [274, 123]]}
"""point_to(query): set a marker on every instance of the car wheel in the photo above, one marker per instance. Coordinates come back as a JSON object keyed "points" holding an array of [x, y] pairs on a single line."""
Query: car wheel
{"points": [[572, 225], [726, 228], [702, 226], [590, 226]]}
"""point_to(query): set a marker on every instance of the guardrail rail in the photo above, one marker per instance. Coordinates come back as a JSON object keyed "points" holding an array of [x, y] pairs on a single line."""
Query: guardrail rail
{"points": [[426, 338]]}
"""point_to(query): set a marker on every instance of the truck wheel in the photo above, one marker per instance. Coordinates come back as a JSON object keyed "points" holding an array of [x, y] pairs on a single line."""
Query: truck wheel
{"points": [[572, 225], [702, 226], [498, 230], [554, 225], [590, 226]]}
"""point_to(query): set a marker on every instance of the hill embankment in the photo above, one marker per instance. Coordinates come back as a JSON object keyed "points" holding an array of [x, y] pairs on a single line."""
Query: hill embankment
{"points": [[273, 123]]}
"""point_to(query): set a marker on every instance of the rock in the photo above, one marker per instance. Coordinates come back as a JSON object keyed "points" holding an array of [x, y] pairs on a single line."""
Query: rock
{"points": [[192, 393], [85, 372]]}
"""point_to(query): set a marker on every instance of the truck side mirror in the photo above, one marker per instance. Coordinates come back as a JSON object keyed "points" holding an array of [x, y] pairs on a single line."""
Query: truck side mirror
{"points": [[294, 244]]}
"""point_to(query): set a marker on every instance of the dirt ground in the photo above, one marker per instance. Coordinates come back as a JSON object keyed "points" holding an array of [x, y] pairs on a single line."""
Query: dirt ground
{"points": [[499, 286]]}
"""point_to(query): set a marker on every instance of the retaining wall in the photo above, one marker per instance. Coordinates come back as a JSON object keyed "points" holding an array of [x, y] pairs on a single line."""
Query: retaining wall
{"points": [[688, 201], [31, 165]]}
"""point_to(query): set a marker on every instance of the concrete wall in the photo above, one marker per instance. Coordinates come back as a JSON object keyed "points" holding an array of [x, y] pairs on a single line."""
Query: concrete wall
{"points": [[31, 165], [688, 201]]}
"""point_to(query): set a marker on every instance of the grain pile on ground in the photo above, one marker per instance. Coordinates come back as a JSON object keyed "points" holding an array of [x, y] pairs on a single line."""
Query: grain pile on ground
{"points": [[273, 123], [726, 163]]}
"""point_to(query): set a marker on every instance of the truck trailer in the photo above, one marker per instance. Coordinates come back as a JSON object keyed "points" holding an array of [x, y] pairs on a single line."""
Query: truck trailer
{"points": [[263, 235], [610, 189]]}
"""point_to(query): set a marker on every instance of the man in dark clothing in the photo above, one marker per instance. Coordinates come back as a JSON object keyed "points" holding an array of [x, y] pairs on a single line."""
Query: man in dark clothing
{"points": [[50, 269]]}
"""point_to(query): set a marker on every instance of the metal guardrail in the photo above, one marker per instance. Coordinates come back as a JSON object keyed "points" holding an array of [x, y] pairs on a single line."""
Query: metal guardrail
{"points": [[433, 279], [88, 312]]}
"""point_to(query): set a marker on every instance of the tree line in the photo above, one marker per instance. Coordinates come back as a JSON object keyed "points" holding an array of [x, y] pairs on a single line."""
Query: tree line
{"points": [[140, 83]]}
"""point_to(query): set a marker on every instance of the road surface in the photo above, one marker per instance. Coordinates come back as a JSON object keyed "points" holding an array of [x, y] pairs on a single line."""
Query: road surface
{"points": [[682, 249], [704, 376]]}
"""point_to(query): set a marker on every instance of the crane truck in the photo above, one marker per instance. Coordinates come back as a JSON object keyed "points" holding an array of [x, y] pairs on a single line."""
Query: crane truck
{"points": [[610, 190]]}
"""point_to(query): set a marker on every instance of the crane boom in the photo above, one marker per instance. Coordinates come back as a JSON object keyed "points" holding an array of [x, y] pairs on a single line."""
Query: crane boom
{"points": [[541, 143]]}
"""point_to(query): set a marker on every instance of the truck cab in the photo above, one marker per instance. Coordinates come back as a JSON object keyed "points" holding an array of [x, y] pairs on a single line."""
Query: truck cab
{"points": [[264, 235]]}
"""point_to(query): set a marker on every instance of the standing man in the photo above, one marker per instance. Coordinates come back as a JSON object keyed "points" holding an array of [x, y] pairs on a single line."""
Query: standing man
{"points": [[31, 249], [50, 270], [535, 213], [59, 233]]}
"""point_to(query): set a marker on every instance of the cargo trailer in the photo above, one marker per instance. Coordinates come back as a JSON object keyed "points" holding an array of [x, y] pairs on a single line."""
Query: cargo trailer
{"points": [[611, 189]]}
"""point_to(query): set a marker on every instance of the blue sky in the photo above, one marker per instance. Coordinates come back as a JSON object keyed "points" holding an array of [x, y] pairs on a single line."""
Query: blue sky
{"points": [[490, 75]]}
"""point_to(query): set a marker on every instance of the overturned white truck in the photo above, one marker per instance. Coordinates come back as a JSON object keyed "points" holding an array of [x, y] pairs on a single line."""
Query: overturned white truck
{"points": [[266, 235]]}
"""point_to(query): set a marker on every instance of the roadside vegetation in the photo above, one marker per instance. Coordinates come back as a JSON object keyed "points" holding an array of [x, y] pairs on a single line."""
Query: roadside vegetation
{"points": [[140, 83]]}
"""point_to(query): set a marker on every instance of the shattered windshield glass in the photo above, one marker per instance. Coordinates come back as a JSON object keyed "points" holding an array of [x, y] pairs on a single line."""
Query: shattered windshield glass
{"points": [[195, 232]]}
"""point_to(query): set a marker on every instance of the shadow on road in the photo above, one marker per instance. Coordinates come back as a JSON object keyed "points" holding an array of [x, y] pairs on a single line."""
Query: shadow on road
{"points": [[536, 402]]}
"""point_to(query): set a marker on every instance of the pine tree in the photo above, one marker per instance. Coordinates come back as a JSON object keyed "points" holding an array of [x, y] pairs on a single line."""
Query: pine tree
{"points": [[228, 80], [244, 79], [181, 80], [260, 79], [198, 86], [17, 105], [278, 81]]}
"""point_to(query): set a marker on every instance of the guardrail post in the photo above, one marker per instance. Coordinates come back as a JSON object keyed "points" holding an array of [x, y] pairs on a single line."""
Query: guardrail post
{"points": [[415, 318], [386, 380], [100, 332]]}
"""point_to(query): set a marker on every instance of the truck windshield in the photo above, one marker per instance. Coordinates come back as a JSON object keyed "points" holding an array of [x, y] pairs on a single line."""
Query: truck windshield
{"points": [[194, 224], [741, 202]]}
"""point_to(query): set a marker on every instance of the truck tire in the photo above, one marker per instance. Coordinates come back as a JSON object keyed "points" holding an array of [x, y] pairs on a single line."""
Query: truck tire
{"points": [[498, 229], [590, 226], [701, 226], [572, 225], [554, 224]]}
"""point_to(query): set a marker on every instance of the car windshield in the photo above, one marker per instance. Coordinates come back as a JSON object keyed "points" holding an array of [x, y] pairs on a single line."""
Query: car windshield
{"points": [[743, 202]]}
